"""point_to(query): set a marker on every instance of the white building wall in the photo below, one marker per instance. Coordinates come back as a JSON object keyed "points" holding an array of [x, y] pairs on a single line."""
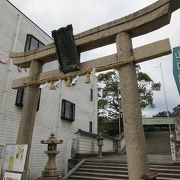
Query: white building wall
{"points": [[13, 30], [14, 27], [48, 120]]}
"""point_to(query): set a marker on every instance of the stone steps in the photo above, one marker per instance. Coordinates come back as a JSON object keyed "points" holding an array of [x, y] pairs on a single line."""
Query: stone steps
{"points": [[124, 170], [111, 170]]}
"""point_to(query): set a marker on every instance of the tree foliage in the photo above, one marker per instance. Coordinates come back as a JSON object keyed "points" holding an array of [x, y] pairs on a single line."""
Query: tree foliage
{"points": [[163, 114], [109, 99], [109, 103], [166, 114]]}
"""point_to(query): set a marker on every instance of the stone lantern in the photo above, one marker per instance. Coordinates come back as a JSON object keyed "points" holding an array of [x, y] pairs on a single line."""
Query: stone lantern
{"points": [[50, 171], [117, 147], [100, 144]]}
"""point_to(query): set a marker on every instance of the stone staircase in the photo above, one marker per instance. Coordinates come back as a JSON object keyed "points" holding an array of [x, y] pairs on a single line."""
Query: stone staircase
{"points": [[113, 170], [158, 142]]}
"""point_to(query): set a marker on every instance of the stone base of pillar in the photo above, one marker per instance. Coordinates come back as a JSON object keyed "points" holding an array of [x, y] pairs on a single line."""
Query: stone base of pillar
{"points": [[50, 173], [49, 178]]}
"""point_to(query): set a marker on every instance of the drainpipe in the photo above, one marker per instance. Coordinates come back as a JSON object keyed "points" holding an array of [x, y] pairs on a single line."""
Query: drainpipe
{"points": [[94, 87], [17, 32], [60, 89]]}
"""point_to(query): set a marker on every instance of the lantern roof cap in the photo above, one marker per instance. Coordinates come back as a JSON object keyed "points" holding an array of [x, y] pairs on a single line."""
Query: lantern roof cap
{"points": [[52, 140]]}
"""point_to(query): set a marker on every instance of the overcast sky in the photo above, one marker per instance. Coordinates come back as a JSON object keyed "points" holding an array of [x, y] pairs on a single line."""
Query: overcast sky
{"points": [[85, 14]]}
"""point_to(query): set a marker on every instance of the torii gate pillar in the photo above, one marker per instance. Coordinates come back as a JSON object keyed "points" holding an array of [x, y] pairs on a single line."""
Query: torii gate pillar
{"points": [[26, 127], [132, 118]]}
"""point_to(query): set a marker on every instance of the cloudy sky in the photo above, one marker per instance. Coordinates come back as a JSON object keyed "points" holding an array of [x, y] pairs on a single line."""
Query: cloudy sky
{"points": [[85, 14]]}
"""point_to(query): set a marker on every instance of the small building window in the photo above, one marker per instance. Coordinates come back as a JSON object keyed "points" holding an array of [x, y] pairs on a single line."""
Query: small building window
{"points": [[68, 110], [91, 94], [39, 99], [20, 97], [90, 126], [32, 43]]}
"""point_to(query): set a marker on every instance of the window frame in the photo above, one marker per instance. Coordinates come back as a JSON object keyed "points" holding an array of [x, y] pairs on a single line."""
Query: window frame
{"points": [[21, 93], [19, 97], [71, 113], [29, 38], [91, 94], [27, 47], [90, 126]]}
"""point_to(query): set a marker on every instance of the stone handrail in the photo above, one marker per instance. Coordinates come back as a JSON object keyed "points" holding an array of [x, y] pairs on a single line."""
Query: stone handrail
{"points": [[73, 169]]}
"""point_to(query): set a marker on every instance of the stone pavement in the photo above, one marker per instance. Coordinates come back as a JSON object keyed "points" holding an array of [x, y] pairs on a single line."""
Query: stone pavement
{"points": [[151, 158]]}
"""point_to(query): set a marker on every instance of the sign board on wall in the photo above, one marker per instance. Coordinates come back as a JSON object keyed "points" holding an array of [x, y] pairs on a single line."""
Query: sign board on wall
{"points": [[15, 157], [12, 176], [176, 66]]}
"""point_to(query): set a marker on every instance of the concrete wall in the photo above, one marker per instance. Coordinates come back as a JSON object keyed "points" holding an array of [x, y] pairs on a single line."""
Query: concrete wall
{"points": [[87, 144], [158, 142], [13, 30]]}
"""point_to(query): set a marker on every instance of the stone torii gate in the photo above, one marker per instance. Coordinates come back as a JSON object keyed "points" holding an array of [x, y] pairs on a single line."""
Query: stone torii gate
{"points": [[120, 31]]}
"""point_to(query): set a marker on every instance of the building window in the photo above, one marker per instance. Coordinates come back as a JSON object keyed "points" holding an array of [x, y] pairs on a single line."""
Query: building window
{"points": [[91, 94], [90, 126], [68, 110], [20, 97], [39, 98], [32, 43]]}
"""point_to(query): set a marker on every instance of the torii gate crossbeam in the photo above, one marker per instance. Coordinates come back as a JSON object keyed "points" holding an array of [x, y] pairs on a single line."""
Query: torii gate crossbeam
{"points": [[120, 32]]}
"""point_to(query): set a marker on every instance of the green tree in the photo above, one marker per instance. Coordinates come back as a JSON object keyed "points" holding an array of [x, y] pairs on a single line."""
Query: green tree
{"points": [[163, 114], [176, 111], [109, 102]]}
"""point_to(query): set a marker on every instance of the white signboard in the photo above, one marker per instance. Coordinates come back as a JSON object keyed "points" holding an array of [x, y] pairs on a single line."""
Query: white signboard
{"points": [[12, 176], [15, 157], [173, 150]]}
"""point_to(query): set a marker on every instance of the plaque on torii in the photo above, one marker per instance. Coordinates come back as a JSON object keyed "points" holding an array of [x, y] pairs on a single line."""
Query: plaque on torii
{"points": [[120, 31]]}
